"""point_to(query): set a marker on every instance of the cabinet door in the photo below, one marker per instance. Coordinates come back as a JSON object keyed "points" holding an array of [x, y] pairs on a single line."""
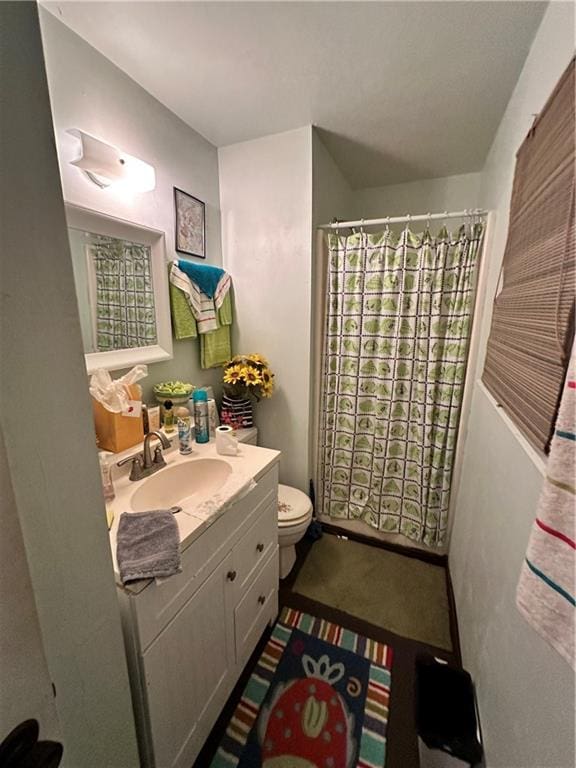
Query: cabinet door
{"points": [[188, 670], [258, 606]]}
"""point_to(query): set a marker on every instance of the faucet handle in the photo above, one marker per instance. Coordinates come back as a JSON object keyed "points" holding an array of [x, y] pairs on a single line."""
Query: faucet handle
{"points": [[137, 465], [159, 459]]}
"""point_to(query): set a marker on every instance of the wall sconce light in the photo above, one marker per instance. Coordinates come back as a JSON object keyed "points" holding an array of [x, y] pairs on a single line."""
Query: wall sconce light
{"points": [[107, 166]]}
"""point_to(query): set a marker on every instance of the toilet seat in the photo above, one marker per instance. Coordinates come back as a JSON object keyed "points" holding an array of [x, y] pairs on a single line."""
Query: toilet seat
{"points": [[294, 507]]}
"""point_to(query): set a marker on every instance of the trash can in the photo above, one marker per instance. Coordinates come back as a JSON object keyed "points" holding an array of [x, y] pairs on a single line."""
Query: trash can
{"points": [[446, 716], [22, 749]]}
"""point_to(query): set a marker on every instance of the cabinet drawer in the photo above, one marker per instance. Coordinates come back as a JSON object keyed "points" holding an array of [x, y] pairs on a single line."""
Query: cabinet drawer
{"points": [[155, 606], [256, 545], [258, 606]]}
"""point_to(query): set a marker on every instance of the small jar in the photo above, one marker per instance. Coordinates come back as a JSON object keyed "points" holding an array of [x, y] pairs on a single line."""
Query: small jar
{"points": [[168, 416]]}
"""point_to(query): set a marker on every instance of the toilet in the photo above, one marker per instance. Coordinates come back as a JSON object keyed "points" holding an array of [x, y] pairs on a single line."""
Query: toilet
{"points": [[294, 516], [294, 513]]}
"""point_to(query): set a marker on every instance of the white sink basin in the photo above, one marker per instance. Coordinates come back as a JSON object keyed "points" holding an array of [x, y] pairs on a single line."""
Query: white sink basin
{"points": [[185, 485]]}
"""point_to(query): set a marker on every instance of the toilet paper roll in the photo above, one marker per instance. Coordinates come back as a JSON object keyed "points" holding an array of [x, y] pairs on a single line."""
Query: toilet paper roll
{"points": [[226, 442]]}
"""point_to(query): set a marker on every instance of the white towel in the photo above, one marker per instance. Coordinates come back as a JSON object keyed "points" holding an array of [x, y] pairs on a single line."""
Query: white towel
{"points": [[545, 595], [202, 306]]}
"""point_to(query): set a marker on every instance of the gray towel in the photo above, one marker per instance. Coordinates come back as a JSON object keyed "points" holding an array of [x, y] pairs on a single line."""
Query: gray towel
{"points": [[148, 545]]}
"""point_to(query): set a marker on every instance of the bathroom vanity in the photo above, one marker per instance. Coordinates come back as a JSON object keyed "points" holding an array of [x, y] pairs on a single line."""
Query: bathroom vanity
{"points": [[189, 637]]}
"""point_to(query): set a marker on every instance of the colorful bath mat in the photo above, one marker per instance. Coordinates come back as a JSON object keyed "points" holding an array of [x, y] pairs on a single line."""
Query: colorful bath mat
{"points": [[318, 698]]}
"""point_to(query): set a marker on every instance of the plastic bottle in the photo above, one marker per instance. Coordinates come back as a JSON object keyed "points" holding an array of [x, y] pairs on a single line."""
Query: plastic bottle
{"points": [[184, 423], [201, 420], [145, 421], [106, 476], [168, 416]]}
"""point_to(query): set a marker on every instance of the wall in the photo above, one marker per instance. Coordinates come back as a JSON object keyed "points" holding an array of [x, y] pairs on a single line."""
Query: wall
{"points": [[450, 193], [49, 438], [331, 194], [525, 689], [26, 689], [88, 92], [266, 204]]}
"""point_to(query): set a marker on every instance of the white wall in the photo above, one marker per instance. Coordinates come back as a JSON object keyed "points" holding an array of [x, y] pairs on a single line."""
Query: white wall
{"points": [[24, 676], [331, 193], [266, 204], [49, 437], [88, 92], [450, 193], [525, 689]]}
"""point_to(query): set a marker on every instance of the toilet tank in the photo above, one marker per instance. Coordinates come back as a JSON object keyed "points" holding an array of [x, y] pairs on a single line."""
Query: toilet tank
{"points": [[249, 436]]}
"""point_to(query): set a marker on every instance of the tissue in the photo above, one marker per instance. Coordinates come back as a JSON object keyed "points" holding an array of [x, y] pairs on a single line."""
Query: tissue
{"points": [[114, 394], [226, 442]]}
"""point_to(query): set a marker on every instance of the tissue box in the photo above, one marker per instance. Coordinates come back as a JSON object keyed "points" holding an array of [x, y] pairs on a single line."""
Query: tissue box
{"points": [[114, 431]]}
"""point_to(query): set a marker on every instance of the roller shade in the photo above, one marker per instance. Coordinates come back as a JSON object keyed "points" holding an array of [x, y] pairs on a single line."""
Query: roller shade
{"points": [[533, 315]]}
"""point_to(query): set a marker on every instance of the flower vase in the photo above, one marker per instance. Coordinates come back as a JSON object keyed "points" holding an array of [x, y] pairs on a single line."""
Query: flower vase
{"points": [[237, 412]]}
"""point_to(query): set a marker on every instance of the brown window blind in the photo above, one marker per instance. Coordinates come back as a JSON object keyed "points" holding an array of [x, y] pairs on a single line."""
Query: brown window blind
{"points": [[533, 315]]}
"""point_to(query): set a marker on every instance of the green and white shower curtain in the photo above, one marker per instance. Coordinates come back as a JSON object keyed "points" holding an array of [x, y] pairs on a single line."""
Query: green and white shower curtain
{"points": [[398, 319]]}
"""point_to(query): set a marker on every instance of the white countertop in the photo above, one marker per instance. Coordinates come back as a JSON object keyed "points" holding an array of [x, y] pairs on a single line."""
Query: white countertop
{"points": [[251, 462]]}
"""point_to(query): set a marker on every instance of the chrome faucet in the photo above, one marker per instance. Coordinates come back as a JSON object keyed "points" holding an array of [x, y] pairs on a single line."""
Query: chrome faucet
{"points": [[144, 464]]}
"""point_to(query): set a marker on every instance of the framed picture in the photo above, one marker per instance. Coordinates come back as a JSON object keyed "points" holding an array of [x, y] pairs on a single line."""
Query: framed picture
{"points": [[190, 224]]}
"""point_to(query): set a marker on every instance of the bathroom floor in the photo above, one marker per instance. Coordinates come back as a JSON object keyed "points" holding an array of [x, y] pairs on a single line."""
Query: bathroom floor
{"points": [[403, 594], [402, 616]]}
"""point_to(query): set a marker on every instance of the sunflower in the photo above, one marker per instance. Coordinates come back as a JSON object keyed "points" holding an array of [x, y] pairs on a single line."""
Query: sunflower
{"points": [[267, 389], [233, 374], [257, 359], [251, 376], [248, 376]]}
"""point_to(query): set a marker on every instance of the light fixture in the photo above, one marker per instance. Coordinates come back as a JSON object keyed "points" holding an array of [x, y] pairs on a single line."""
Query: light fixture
{"points": [[107, 166]]}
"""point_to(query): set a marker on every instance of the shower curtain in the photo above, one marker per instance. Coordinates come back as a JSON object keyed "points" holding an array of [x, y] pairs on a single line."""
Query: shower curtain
{"points": [[398, 315]]}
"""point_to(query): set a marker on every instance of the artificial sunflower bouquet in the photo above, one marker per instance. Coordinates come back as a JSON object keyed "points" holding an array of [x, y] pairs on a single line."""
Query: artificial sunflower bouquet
{"points": [[248, 375]]}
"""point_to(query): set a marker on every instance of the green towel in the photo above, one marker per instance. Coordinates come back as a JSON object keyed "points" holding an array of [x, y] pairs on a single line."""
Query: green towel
{"points": [[225, 311], [183, 321], [216, 346]]}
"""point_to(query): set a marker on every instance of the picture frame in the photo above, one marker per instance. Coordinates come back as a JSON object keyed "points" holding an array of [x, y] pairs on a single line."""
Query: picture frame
{"points": [[190, 224]]}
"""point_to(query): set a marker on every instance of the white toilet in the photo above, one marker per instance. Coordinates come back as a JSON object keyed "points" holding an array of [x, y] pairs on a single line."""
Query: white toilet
{"points": [[294, 513], [294, 516]]}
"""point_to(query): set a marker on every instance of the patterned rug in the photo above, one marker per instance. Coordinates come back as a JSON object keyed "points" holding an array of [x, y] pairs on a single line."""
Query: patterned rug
{"points": [[318, 698]]}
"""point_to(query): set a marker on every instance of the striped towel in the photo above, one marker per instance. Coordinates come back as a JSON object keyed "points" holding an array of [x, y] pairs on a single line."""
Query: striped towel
{"points": [[545, 595], [203, 307]]}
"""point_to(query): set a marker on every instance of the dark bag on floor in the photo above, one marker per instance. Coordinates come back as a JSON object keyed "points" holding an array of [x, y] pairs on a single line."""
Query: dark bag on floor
{"points": [[446, 716]]}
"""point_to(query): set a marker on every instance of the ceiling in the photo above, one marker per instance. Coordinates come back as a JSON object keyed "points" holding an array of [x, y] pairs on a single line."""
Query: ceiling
{"points": [[400, 90]]}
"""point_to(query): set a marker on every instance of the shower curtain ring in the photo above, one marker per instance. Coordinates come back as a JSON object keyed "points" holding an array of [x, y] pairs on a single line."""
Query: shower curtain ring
{"points": [[361, 226]]}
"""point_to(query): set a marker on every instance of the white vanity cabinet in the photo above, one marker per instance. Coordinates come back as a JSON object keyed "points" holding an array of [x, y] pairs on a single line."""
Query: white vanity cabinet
{"points": [[189, 637]]}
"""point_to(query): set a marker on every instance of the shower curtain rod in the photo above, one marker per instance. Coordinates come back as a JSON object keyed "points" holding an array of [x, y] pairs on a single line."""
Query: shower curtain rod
{"points": [[407, 218]]}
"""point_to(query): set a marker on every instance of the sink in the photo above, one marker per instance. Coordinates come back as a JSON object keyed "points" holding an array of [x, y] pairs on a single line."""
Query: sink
{"points": [[185, 484]]}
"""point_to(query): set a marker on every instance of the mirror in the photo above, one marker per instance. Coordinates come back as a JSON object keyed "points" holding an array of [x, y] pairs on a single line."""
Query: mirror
{"points": [[120, 274]]}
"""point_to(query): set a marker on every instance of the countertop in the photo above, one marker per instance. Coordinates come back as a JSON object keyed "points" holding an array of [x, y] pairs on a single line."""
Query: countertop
{"points": [[251, 462]]}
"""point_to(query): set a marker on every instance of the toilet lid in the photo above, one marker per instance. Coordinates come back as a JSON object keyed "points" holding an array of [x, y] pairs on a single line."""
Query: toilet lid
{"points": [[292, 504]]}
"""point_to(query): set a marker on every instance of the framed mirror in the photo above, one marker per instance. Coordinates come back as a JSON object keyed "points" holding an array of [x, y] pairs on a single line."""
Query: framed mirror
{"points": [[121, 279]]}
